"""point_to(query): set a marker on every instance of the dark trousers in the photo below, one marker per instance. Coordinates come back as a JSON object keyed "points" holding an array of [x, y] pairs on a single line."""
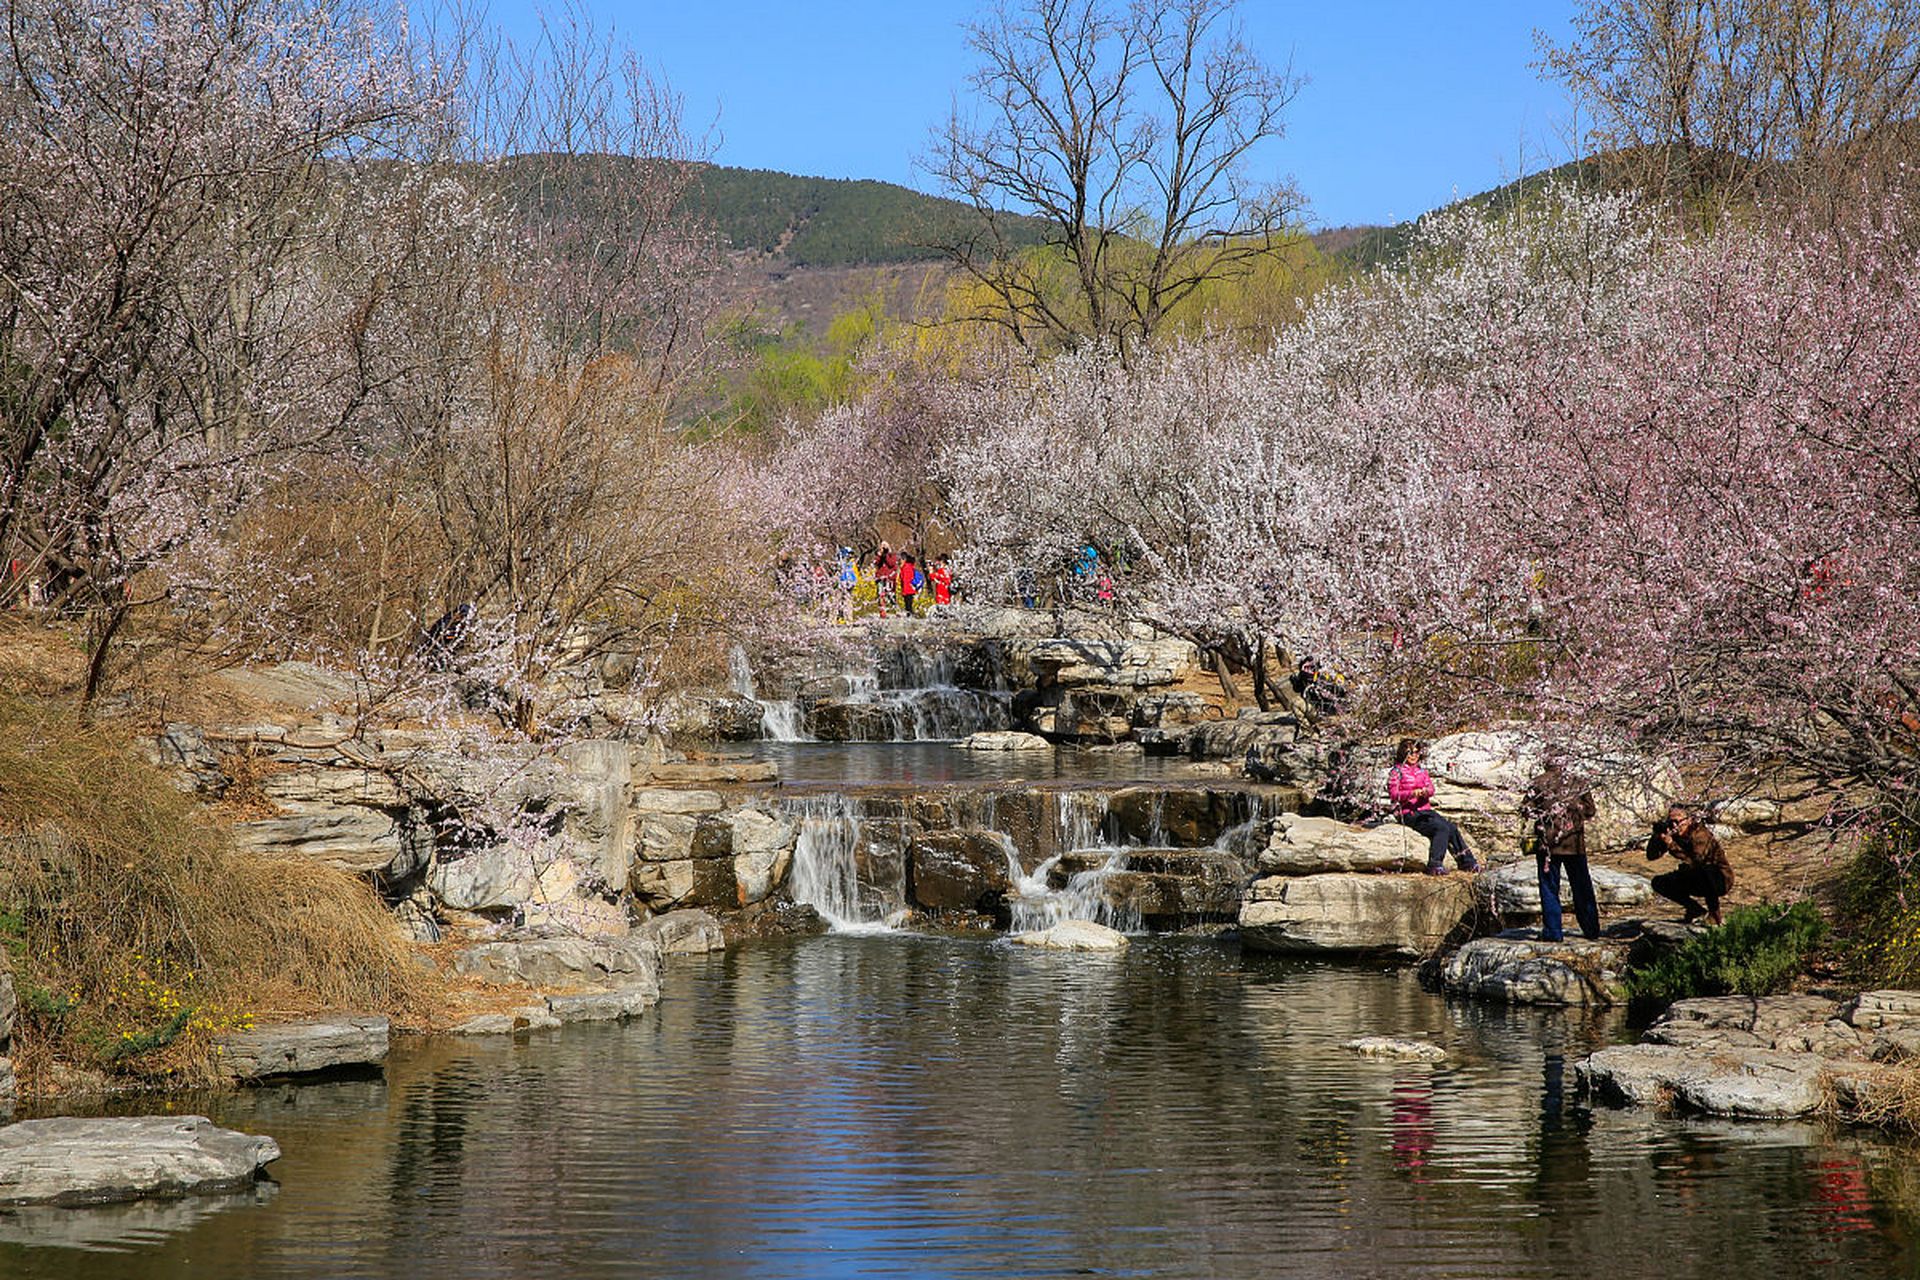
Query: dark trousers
{"points": [[1442, 838], [1686, 884], [1586, 908], [906, 601]]}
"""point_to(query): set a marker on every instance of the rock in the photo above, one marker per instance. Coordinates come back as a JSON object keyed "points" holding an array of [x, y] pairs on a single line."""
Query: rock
{"points": [[1131, 664], [347, 836], [778, 917], [1525, 970], [1758, 1082], [72, 1161], [565, 962], [501, 877], [296, 685], [184, 747], [1896, 1043], [602, 1006], [686, 882], [651, 800], [1791, 1023], [1877, 1009], [305, 1047], [533, 1017], [1301, 846], [1164, 888], [959, 870], [9, 1088], [1406, 916], [1515, 889], [714, 773], [1074, 935], [1003, 740], [762, 853], [1397, 1049], [594, 795], [1178, 816], [1658, 938], [688, 932]]}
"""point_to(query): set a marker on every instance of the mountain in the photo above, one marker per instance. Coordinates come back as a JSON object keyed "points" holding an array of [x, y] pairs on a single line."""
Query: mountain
{"points": [[832, 222]]}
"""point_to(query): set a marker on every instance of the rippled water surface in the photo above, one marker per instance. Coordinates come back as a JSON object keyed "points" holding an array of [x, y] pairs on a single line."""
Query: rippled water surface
{"points": [[940, 1107]]}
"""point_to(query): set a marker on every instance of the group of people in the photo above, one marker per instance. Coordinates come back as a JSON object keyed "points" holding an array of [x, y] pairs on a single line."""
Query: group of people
{"points": [[1557, 807], [900, 582]]}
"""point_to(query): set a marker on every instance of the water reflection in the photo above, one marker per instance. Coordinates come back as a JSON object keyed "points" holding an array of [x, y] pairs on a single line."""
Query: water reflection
{"points": [[897, 1106]]}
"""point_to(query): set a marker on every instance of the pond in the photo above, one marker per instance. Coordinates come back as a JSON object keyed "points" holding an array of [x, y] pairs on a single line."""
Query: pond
{"points": [[837, 765], [942, 1106]]}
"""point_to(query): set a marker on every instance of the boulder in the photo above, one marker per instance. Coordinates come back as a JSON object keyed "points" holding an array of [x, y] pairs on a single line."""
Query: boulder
{"points": [[960, 870], [1396, 1049], [1515, 889], [1074, 935], [1003, 740], [306, 1047], [74, 1161], [501, 877], [1407, 916], [686, 882], [1521, 969], [602, 1006], [1755, 1082], [1301, 846], [762, 853], [1186, 817], [684, 933]]}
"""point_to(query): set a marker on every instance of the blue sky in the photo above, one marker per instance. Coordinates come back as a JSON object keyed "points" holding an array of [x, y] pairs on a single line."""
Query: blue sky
{"points": [[1407, 105]]}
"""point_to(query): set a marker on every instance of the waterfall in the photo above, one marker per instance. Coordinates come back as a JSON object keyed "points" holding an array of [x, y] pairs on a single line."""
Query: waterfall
{"points": [[1034, 904], [780, 720], [826, 872]]}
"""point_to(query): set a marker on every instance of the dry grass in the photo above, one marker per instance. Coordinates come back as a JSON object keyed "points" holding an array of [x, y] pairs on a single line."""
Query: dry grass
{"points": [[139, 933]]}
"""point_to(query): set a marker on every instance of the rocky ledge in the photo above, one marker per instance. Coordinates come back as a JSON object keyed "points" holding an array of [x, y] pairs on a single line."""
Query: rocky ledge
{"points": [[1768, 1056], [312, 1046], [71, 1161], [1518, 967]]}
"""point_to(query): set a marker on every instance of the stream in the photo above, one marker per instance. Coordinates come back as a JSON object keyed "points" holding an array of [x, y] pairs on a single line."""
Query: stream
{"points": [[956, 1106]]}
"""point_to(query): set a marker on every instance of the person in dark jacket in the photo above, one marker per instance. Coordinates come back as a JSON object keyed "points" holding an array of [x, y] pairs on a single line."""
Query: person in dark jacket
{"points": [[1559, 805], [1703, 873]]}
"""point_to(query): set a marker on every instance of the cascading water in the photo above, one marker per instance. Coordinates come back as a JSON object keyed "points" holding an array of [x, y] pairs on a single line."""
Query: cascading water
{"points": [[1034, 904], [781, 719], [826, 873]]}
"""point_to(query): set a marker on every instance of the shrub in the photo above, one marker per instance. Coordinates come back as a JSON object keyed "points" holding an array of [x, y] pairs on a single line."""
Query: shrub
{"points": [[136, 931], [1757, 952], [1880, 911]]}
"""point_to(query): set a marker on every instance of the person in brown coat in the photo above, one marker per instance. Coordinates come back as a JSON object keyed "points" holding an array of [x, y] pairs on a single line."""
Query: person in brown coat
{"points": [[1703, 873], [1559, 806]]}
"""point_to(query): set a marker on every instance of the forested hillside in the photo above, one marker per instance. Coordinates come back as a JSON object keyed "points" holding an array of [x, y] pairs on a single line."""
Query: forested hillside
{"points": [[829, 222]]}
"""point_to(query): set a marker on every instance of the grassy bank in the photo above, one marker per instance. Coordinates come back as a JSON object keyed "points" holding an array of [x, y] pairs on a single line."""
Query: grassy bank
{"points": [[138, 935]]}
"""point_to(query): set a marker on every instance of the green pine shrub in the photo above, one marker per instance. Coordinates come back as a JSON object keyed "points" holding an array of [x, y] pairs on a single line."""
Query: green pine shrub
{"points": [[1759, 951]]}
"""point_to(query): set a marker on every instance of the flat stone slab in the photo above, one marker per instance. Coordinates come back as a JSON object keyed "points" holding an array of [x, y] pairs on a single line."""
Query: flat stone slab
{"points": [[1525, 970], [73, 1161], [1350, 914], [1397, 1049], [1074, 935], [1759, 1083], [565, 962], [1004, 740], [305, 1047], [1515, 889], [729, 772], [1876, 1009], [533, 1017], [1791, 1023]]}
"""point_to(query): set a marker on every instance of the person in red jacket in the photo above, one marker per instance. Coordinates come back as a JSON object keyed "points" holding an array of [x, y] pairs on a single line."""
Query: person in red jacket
{"points": [[909, 584], [942, 578], [886, 575]]}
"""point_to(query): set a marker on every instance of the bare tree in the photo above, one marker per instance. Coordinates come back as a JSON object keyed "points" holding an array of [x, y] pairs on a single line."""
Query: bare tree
{"points": [[1729, 100], [1128, 134]]}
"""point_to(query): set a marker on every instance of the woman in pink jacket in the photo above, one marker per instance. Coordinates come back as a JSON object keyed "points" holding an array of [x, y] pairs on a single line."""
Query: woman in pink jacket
{"points": [[1411, 789]]}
